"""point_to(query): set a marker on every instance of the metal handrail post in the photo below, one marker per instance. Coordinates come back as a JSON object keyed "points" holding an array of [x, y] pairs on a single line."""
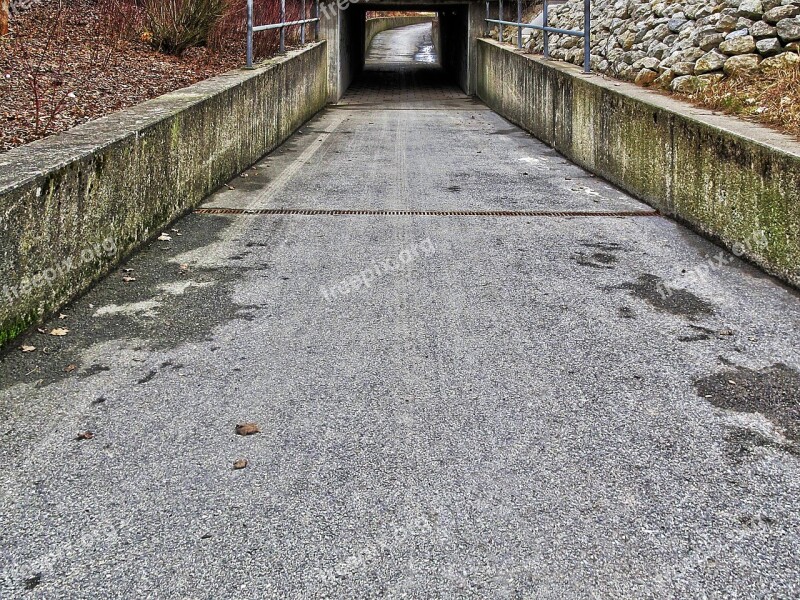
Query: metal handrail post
{"points": [[249, 64], [303, 26], [519, 20], [283, 29], [546, 37], [488, 16], [316, 24], [500, 17], [587, 26]]}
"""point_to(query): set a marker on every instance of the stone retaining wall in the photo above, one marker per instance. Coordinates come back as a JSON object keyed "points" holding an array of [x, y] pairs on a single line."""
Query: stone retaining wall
{"points": [[683, 44], [73, 205], [730, 180]]}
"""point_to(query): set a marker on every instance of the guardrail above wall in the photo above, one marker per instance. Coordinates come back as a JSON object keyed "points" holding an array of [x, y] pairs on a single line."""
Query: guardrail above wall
{"points": [[251, 28], [544, 27]]}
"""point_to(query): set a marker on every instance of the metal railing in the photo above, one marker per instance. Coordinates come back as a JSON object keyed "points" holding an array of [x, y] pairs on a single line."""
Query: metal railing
{"points": [[544, 27], [251, 28]]}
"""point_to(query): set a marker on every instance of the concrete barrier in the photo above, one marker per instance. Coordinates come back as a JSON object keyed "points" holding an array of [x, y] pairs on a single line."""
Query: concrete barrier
{"points": [[73, 205], [728, 179], [379, 24]]}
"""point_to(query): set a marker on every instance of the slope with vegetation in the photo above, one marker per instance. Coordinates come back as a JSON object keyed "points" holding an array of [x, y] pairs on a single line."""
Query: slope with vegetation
{"points": [[65, 62], [740, 56]]}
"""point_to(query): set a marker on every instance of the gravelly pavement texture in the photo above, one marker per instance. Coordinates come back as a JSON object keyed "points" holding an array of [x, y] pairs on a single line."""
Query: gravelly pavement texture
{"points": [[519, 406]]}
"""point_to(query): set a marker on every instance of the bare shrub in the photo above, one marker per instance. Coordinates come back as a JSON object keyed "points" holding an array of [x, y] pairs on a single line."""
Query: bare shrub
{"points": [[173, 26]]}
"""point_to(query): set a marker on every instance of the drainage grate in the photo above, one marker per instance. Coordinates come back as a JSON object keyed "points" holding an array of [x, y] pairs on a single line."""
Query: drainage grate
{"points": [[426, 213]]}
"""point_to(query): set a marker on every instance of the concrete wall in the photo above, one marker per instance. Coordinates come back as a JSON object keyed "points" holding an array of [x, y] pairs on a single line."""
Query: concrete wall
{"points": [[73, 205], [379, 24], [460, 27], [454, 44], [343, 29], [726, 178]]}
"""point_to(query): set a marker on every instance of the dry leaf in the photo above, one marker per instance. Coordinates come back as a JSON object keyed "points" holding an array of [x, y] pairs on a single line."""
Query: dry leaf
{"points": [[70, 368], [230, 187], [59, 331], [247, 429], [127, 270], [40, 330], [128, 279], [164, 238], [184, 267], [27, 348], [62, 316], [240, 463], [85, 435]]}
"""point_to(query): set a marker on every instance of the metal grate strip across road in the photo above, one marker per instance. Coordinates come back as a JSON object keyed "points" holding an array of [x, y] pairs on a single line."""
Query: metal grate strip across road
{"points": [[425, 213]]}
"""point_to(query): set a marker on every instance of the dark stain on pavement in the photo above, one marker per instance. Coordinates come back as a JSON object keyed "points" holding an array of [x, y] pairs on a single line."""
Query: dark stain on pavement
{"points": [[148, 377], [31, 582], [675, 301], [743, 444], [596, 260], [180, 318], [93, 370], [772, 391], [607, 246]]}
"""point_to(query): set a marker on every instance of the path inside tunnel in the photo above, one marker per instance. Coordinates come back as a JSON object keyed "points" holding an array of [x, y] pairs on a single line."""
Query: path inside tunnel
{"points": [[476, 369]]}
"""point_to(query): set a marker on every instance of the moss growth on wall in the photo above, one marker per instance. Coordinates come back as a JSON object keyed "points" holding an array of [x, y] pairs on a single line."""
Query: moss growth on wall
{"points": [[723, 184]]}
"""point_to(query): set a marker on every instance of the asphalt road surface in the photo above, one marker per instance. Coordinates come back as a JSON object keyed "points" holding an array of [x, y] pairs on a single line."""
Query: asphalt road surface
{"points": [[500, 377]]}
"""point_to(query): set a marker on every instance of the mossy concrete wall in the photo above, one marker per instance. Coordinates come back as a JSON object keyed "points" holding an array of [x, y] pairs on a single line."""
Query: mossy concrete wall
{"points": [[379, 24], [728, 179], [73, 205]]}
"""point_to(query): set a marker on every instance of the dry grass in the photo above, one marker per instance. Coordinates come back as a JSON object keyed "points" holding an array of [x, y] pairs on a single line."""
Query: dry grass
{"points": [[769, 98]]}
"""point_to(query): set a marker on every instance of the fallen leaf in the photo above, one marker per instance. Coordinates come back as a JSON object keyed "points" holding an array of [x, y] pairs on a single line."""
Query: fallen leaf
{"points": [[240, 463], [164, 238], [27, 348], [184, 267], [230, 187], [726, 332], [40, 330], [247, 429], [85, 435], [59, 331], [127, 270], [62, 316], [70, 368], [128, 279]]}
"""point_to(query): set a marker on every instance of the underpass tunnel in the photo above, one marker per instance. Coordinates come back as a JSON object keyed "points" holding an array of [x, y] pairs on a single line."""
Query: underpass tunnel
{"points": [[449, 47]]}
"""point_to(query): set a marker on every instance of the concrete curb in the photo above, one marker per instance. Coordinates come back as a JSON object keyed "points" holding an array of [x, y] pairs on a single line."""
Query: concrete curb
{"points": [[72, 206], [731, 180]]}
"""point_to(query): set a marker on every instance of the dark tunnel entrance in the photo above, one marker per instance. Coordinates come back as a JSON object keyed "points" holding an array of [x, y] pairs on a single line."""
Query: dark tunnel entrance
{"points": [[402, 67], [444, 54]]}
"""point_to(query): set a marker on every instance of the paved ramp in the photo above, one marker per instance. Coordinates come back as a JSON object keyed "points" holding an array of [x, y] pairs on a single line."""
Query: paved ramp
{"points": [[478, 371]]}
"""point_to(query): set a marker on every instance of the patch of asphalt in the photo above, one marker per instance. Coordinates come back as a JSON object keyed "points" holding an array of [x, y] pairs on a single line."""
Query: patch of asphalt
{"points": [[653, 290], [165, 306], [773, 392]]}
